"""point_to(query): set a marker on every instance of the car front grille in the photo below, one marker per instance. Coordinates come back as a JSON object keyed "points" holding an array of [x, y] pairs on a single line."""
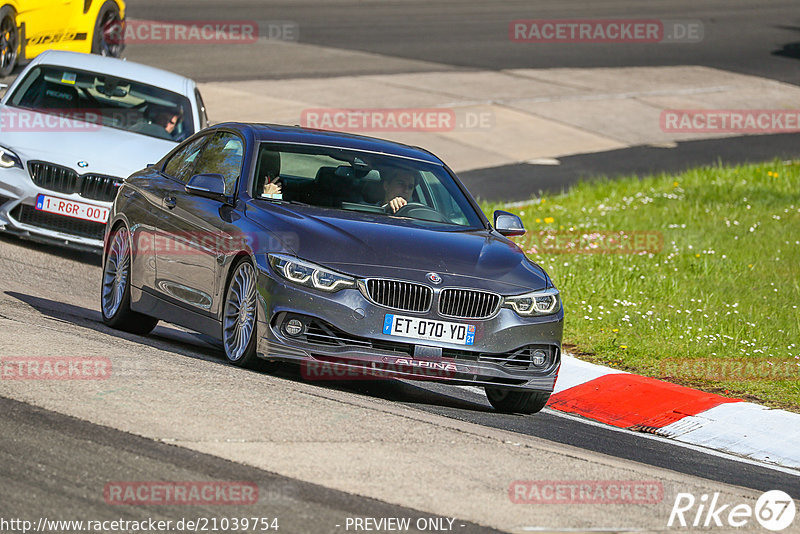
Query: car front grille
{"points": [[99, 187], [58, 223], [64, 180], [399, 295], [468, 303]]}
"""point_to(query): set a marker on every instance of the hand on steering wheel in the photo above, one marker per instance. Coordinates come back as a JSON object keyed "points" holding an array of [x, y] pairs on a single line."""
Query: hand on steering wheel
{"points": [[417, 210], [395, 205]]}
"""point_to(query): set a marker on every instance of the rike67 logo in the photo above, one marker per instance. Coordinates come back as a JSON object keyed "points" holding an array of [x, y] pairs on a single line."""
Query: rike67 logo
{"points": [[774, 510]]}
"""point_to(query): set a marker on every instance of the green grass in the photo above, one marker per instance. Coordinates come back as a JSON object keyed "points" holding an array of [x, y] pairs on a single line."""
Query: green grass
{"points": [[725, 286]]}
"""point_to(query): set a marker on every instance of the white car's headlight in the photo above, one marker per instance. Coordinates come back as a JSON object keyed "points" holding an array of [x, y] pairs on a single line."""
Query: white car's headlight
{"points": [[546, 302], [309, 274], [8, 159]]}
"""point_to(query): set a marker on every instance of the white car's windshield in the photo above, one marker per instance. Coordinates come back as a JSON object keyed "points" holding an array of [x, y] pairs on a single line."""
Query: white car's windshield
{"points": [[362, 181], [107, 100]]}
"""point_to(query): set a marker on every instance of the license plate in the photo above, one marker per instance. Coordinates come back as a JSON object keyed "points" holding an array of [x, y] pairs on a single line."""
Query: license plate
{"points": [[70, 208], [428, 329]]}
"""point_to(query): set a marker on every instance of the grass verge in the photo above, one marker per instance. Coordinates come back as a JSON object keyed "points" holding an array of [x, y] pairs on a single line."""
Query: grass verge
{"points": [[691, 278]]}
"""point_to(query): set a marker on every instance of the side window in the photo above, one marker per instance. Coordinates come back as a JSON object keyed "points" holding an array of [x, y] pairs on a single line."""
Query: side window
{"points": [[180, 165], [222, 155]]}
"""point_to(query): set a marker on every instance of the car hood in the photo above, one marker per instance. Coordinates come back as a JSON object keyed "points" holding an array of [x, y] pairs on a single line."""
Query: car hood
{"points": [[375, 246], [106, 150]]}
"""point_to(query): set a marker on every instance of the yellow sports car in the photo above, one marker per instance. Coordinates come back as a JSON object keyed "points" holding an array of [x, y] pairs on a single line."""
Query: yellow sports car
{"points": [[29, 27]]}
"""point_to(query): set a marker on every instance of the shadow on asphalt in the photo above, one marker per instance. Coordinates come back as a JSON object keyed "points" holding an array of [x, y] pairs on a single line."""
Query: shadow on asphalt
{"points": [[523, 181], [200, 346], [790, 50]]}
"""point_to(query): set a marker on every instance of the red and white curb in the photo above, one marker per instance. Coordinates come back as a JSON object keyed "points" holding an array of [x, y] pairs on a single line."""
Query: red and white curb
{"points": [[639, 403]]}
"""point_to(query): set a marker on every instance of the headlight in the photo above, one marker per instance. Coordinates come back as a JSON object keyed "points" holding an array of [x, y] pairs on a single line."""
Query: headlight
{"points": [[8, 159], [546, 302], [309, 274]]}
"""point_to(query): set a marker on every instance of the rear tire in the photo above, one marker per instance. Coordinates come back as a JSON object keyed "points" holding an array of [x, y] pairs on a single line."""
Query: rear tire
{"points": [[109, 35], [115, 290], [9, 41], [510, 401]]}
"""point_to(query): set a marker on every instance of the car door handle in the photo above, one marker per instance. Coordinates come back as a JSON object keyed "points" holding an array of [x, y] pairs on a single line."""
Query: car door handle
{"points": [[170, 202]]}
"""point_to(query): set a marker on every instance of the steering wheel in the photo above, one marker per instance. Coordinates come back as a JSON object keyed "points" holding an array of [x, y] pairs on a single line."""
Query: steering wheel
{"points": [[417, 210]]}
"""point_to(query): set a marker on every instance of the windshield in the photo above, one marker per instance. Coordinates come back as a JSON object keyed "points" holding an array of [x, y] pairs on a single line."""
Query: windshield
{"points": [[103, 99], [362, 181]]}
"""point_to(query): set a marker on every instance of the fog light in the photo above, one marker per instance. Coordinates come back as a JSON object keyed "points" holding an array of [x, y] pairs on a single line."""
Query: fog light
{"points": [[293, 327], [539, 357]]}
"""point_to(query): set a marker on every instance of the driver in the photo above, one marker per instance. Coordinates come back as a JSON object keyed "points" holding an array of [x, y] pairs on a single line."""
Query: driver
{"points": [[398, 186], [168, 119]]}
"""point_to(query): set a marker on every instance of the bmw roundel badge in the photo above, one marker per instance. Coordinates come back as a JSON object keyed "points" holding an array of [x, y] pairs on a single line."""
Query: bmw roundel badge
{"points": [[434, 278]]}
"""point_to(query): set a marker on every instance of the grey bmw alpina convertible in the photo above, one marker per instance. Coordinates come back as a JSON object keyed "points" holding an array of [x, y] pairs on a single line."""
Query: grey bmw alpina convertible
{"points": [[352, 256]]}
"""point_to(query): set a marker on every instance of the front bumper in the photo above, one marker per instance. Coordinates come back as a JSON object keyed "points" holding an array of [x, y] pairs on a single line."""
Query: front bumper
{"points": [[18, 215], [344, 340]]}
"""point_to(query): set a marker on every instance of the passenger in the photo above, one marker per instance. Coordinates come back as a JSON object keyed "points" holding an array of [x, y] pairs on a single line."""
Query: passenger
{"points": [[272, 187], [398, 186], [269, 169]]}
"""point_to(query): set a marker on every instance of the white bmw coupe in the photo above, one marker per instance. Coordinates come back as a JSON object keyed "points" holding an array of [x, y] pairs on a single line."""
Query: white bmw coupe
{"points": [[72, 127]]}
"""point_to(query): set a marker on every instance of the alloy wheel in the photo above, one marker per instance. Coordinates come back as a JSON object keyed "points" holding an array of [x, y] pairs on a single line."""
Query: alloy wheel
{"points": [[115, 273], [239, 319]]}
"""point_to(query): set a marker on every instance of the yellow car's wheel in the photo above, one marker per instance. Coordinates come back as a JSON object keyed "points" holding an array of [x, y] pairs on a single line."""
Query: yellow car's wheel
{"points": [[9, 40], [109, 37]]}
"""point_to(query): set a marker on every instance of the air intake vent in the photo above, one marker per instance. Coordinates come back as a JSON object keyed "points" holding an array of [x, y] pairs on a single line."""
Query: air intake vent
{"points": [[58, 223]]}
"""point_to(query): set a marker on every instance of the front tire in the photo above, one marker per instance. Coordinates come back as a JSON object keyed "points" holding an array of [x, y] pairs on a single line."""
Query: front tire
{"points": [[115, 291], [239, 315], [109, 35], [510, 401], [9, 41]]}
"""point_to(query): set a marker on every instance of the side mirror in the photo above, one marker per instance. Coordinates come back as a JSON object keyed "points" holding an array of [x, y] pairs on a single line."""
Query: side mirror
{"points": [[508, 224], [207, 185]]}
